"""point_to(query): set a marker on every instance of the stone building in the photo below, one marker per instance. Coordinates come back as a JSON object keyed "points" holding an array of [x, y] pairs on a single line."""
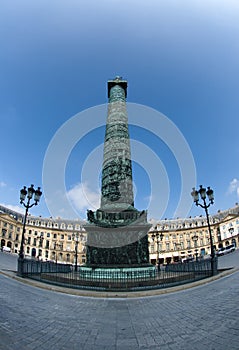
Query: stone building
{"points": [[54, 239], [184, 239], [45, 238]]}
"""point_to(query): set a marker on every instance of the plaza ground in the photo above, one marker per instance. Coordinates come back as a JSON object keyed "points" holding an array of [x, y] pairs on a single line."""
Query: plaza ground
{"points": [[201, 317]]}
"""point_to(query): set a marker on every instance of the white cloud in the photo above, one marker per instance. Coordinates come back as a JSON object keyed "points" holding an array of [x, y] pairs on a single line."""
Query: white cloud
{"points": [[2, 184], [15, 208], [82, 197], [234, 187]]}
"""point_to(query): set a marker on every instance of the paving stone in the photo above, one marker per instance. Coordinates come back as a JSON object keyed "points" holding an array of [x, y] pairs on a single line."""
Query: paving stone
{"points": [[203, 317]]}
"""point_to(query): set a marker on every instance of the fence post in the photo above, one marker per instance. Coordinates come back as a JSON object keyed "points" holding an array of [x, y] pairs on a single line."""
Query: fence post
{"points": [[20, 267]]}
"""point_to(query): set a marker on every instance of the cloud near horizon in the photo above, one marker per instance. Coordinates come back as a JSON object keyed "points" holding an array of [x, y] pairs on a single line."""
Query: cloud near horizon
{"points": [[83, 198], [15, 208], [234, 187]]}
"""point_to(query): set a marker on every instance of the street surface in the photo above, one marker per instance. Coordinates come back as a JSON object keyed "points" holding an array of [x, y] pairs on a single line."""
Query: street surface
{"points": [[202, 317]]}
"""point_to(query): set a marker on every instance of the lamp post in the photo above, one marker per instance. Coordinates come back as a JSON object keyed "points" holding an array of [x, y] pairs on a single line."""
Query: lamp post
{"points": [[30, 193], [75, 237], [158, 237], [204, 194]]}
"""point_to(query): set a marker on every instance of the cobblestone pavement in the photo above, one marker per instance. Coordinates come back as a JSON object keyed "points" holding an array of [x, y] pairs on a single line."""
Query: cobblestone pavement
{"points": [[203, 317]]}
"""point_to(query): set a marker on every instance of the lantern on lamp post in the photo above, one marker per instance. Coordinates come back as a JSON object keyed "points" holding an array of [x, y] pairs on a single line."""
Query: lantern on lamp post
{"points": [[204, 194], [28, 195]]}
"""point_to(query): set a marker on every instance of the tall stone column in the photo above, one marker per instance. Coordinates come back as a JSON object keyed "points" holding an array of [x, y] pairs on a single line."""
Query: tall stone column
{"points": [[117, 231], [117, 189]]}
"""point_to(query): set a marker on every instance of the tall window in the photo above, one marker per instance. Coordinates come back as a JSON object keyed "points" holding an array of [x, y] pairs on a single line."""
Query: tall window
{"points": [[4, 232]]}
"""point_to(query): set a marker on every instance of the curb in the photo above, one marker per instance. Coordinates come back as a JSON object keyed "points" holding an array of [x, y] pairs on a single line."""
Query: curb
{"points": [[99, 294]]}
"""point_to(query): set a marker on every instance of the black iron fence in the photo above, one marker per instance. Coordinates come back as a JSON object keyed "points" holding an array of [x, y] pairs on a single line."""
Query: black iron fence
{"points": [[65, 275]]}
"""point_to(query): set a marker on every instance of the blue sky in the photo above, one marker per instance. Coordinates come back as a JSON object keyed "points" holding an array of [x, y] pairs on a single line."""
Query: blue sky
{"points": [[179, 57]]}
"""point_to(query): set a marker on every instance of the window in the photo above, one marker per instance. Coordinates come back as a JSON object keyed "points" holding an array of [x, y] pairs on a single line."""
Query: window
{"points": [[29, 240], [46, 254], [48, 234], [47, 244], [55, 235], [4, 232], [62, 236]]}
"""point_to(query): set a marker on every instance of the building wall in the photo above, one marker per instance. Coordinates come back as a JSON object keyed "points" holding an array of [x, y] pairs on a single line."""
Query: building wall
{"points": [[52, 239], [189, 238], [45, 239]]}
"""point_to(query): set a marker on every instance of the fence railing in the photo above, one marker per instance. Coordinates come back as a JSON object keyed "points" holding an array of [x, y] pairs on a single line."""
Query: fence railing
{"points": [[117, 280]]}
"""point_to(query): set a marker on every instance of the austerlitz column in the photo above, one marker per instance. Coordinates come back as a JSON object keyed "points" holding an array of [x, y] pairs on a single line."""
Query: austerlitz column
{"points": [[117, 231]]}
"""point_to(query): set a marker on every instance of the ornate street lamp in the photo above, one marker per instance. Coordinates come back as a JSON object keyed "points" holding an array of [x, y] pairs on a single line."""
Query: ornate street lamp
{"points": [[204, 194], [158, 237], [30, 194], [75, 237]]}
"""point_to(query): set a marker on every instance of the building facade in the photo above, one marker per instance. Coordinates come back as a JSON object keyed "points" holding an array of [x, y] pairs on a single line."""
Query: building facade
{"points": [[169, 241], [45, 239]]}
